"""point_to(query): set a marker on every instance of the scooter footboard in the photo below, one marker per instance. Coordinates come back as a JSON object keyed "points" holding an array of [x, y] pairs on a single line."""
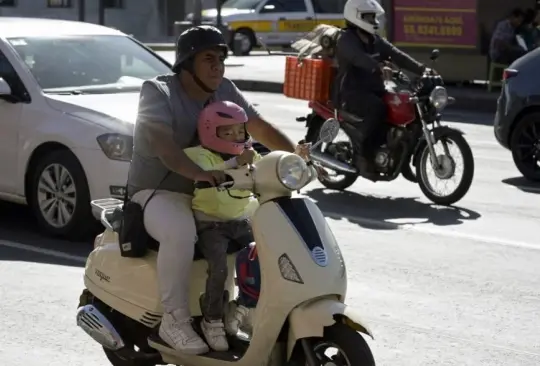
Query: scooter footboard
{"points": [[309, 320]]}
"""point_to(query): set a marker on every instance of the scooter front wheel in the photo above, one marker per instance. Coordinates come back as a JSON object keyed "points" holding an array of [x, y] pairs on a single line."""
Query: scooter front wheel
{"points": [[351, 347]]}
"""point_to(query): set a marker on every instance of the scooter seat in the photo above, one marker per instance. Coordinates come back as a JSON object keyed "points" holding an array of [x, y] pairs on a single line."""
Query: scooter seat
{"points": [[233, 247]]}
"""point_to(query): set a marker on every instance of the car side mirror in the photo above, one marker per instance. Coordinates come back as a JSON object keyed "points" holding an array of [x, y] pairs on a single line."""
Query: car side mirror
{"points": [[5, 89]]}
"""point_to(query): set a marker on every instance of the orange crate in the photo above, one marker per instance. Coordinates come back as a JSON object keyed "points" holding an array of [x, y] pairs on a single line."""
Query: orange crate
{"points": [[309, 79]]}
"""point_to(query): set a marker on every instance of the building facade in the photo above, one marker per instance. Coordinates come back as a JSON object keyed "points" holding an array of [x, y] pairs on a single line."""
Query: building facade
{"points": [[147, 20]]}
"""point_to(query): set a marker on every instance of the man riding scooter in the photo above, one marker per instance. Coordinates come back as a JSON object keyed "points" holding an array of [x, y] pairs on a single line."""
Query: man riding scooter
{"points": [[362, 55]]}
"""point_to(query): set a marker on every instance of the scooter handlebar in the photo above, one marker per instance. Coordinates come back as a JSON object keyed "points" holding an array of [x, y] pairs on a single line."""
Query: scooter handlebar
{"points": [[229, 182]]}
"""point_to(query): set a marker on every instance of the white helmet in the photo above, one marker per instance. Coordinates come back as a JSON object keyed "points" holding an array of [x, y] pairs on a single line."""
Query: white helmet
{"points": [[364, 14]]}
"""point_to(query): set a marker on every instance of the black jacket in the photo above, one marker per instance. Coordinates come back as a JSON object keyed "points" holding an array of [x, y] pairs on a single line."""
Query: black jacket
{"points": [[359, 70]]}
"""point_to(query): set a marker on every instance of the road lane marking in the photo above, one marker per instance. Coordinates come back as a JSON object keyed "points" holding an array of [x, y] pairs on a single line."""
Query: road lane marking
{"points": [[49, 252], [380, 224]]}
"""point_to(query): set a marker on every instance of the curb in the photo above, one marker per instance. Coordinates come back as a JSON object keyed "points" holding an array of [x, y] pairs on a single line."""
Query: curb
{"points": [[463, 102]]}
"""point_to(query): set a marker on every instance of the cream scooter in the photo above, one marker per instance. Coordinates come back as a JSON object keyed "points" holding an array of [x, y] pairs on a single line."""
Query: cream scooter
{"points": [[300, 313]]}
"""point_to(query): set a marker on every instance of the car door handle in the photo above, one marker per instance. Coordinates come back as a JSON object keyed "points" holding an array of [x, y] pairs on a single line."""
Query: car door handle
{"points": [[282, 18], [309, 18]]}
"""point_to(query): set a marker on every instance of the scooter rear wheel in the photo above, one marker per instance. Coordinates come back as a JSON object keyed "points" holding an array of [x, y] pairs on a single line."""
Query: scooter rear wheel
{"points": [[352, 348]]}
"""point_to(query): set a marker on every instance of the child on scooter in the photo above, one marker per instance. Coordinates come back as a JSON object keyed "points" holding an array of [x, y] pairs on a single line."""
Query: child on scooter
{"points": [[221, 216]]}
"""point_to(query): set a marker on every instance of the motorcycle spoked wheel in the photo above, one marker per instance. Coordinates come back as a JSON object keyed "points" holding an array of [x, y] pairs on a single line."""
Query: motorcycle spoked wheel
{"points": [[352, 348], [423, 159]]}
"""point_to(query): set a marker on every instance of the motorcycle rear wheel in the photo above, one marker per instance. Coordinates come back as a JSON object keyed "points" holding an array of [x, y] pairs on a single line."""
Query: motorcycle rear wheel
{"points": [[342, 184]]}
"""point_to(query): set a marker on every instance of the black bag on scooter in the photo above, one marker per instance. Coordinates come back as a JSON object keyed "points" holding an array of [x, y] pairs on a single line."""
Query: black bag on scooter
{"points": [[133, 238]]}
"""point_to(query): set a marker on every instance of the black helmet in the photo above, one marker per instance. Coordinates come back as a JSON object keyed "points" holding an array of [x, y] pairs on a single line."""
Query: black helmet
{"points": [[195, 40]]}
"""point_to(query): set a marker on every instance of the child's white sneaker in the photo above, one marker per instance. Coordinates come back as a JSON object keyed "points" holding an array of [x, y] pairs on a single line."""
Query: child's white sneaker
{"points": [[237, 317], [214, 332]]}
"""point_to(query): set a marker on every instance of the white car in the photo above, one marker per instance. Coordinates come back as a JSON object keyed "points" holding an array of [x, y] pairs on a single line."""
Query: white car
{"points": [[68, 102]]}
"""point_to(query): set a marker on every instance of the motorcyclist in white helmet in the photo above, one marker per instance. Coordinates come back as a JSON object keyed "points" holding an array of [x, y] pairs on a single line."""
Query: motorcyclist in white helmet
{"points": [[359, 88]]}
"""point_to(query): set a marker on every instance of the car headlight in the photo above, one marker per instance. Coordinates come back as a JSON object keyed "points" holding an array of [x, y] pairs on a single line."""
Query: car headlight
{"points": [[439, 97], [116, 146], [292, 171]]}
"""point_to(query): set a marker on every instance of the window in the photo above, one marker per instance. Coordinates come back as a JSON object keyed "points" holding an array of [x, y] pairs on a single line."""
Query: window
{"points": [[59, 4], [7, 3], [92, 63], [241, 4], [328, 6], [115, 4], [284, 6]]}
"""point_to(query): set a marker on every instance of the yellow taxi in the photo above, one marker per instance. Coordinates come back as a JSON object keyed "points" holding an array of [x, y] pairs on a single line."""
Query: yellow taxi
{"points": [[275, 22]]}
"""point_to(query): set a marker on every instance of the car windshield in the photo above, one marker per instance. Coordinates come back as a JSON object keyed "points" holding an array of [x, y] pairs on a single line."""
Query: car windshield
{"points": [[241, 4], [88, 64]]}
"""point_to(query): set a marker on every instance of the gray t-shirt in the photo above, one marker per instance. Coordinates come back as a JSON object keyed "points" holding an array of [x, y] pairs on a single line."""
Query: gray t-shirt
{"points": [[163, 100]]}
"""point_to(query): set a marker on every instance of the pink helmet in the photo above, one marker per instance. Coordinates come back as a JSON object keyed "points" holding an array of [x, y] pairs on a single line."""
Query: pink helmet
{"points": [[220, 114]]}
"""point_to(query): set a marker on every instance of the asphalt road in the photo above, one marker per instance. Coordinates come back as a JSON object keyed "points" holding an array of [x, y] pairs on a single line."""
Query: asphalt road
{"points": [[439, 286]]}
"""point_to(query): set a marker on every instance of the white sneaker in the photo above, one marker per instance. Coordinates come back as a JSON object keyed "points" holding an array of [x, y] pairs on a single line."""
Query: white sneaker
{"points": [[214, 332], [180, 336], [237, 317]]}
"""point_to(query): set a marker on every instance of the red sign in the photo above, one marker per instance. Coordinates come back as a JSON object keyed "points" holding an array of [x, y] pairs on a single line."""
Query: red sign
{"points": [[435, 23]]}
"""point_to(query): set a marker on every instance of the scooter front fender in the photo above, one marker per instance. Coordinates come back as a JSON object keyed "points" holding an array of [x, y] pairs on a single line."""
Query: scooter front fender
{"points": [[310, 318]]}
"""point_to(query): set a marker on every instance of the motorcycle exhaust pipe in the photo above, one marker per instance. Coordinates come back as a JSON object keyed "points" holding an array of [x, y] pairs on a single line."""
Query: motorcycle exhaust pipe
{"points": [[331, 163]]}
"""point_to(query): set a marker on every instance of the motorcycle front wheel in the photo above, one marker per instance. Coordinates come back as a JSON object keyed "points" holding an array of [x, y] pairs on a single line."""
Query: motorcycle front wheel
{"points": [[446, 170], [351, 347]]}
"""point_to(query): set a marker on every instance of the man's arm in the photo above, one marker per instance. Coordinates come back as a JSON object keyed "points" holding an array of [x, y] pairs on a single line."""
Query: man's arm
{"points": [[154, 123], [257, 127], [399, 57]]}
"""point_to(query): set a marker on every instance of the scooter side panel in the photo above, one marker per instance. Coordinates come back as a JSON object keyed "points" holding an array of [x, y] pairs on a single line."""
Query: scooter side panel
{"points": [[134, 280]]}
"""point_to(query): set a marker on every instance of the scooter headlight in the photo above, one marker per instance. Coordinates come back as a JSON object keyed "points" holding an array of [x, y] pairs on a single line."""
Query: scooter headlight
{"points": [[439, 97], [292, 171]]}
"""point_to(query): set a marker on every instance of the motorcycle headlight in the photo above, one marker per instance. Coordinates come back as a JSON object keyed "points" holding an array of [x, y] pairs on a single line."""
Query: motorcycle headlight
{"points": [[292, 171], [439, 97], [116, 146]]}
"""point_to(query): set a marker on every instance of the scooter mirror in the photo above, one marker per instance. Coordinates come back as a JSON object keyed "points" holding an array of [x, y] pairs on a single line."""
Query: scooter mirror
{"points": [[329, 130]]}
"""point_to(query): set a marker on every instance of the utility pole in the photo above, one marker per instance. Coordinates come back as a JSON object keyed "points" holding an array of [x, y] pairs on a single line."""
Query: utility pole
{"points": [[197, 12], [82, 10], [219, 20], [101, 12]]}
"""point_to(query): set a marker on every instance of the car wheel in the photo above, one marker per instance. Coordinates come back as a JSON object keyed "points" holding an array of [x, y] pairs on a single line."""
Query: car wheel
{"points": [[59, 196], [246, 42], [525, 146]]}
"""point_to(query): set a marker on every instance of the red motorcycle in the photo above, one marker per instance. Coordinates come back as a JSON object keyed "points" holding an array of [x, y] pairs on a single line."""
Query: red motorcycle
{"points": [[408, 141]]}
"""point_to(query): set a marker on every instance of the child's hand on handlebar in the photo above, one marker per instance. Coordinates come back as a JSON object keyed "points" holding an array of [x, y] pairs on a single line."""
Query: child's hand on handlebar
{"points": [[246, 157], [214, 177], [303, 150]]}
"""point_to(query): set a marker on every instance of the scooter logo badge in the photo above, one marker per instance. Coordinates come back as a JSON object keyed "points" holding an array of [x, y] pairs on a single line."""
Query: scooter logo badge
{"points": [[102, 276]]}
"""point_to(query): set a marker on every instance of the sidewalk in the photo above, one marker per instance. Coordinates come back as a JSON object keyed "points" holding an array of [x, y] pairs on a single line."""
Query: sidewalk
{"points": [[261, 72]]}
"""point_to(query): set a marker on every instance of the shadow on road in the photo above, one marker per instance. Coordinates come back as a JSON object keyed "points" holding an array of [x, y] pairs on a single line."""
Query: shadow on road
{"points": [[474, 118], [25, 242], [8, 254], [523, 184], [373, 212]]}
